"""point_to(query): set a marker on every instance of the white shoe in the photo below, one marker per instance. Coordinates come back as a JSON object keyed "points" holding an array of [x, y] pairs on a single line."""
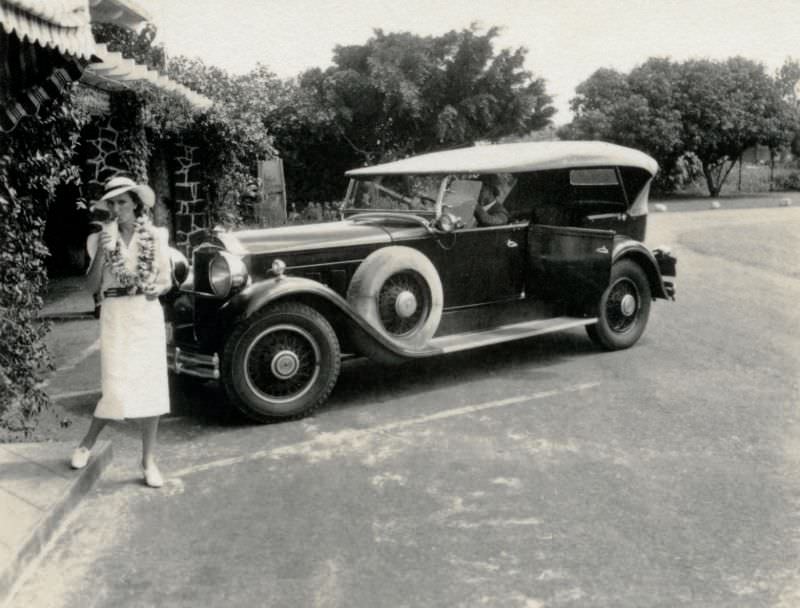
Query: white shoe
{"points": [[80, 457], [152, 476]]}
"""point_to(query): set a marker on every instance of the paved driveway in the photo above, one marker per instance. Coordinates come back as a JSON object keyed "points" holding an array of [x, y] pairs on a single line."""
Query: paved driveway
{"points": [[543, 473]]}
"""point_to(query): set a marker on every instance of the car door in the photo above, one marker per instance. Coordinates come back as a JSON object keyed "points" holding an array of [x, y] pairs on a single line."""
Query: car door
{"points": [[568, 264], [482, 264]]}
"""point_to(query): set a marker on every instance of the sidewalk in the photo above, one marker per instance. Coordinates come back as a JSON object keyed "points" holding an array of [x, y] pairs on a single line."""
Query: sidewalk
{"points": [[38, 488]]}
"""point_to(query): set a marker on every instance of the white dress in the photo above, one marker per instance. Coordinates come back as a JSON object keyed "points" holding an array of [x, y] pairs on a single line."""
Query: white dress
{"points": [[133, 354]]}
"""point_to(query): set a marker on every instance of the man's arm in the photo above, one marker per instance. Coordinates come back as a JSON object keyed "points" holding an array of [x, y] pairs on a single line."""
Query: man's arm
{"points": [[495, 216]]}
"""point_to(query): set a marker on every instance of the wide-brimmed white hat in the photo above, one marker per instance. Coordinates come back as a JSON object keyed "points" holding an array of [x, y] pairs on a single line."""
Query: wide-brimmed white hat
{"points": [[117, 185]]}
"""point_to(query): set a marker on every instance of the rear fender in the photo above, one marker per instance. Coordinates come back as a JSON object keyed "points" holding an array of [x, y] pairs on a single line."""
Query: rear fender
{"points": [[333, 306], [634, 250]]}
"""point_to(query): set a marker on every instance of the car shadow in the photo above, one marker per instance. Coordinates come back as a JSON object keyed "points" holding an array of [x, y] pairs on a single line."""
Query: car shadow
{"points": [[365, 382]]}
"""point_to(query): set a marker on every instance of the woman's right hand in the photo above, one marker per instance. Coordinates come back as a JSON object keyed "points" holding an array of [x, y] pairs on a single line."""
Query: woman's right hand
{"points": [[106, 241]]}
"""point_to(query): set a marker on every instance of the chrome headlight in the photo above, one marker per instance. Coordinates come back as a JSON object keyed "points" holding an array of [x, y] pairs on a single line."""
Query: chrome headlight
{"points": [[179, 266], [226, 273]]}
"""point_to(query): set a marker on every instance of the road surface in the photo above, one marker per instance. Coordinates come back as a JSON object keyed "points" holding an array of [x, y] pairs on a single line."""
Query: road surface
{"points": [[542, 473]]}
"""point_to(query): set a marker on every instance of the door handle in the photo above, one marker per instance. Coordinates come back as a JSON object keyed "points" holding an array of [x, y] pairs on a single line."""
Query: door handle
{"points": [[511, 244]]}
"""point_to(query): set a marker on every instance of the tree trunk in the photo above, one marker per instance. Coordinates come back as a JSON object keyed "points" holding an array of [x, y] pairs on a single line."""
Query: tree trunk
{"points": [[771, 169], [739, 184], [715, 182]]}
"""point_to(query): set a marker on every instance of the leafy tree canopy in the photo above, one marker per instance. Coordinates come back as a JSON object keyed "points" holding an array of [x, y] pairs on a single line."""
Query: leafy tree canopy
{"points": [[788, 76], [234, 133], [712, 110], [401, 93]]}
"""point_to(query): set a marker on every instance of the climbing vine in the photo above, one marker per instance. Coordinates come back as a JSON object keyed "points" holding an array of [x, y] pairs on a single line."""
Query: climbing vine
{"points": [[37, 158]]}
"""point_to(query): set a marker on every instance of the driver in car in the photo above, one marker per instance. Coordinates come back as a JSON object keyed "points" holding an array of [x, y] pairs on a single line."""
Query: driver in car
{"points": [[490, 211]]}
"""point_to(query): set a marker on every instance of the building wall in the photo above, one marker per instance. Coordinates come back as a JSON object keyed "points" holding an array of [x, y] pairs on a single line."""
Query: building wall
{"points": [[100, 153], [190, 207], [179, 204]]}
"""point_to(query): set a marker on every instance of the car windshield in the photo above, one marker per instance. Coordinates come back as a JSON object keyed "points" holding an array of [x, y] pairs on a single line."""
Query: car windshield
{"points": [[395, 193]]}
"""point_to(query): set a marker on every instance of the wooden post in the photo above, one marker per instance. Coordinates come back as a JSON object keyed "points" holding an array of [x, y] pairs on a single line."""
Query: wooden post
{"points": [[272, 210]]}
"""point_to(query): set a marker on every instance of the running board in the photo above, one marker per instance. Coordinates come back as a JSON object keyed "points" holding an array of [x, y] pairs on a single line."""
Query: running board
{"points": [[504, 333]]}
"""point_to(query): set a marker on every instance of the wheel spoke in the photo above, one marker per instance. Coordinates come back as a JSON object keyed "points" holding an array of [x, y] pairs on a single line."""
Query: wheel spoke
{"points": [[618, 320], [393, 288], [282, 363]]}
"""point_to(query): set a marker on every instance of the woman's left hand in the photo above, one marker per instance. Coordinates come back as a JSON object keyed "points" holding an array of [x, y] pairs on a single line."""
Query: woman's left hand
{"points": [[151, 291]]}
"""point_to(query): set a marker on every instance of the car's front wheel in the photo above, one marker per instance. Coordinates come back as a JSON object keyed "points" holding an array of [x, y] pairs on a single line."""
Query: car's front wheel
{"points": [[281, 363], [623, 309]]}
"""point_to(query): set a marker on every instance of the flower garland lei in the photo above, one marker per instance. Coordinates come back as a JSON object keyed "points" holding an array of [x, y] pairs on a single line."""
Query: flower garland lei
{"points": [[145, 274]]}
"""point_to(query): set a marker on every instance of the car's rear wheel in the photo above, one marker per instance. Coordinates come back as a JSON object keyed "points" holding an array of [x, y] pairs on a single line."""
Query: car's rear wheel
{"points": [[397, 290], [281, 363], [623, 309]]}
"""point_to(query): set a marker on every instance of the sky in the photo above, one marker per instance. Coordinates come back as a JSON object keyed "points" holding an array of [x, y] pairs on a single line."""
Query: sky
{"points": [[567, 40]]}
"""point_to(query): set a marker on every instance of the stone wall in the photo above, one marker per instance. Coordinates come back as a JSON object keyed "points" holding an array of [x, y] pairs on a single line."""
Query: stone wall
{"points": [[100, 151], [190, 208]]}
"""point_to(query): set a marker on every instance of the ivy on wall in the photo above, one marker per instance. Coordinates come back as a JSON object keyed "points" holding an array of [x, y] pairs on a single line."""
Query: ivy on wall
{"points": [[37, 159]]}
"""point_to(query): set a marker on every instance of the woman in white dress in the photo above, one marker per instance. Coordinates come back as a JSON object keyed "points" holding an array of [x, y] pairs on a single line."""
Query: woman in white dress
{"points": [[129, 269]]}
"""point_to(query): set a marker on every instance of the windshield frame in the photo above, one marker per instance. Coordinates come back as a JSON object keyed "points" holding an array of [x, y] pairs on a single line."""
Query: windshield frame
{"points": [[353, 190]]}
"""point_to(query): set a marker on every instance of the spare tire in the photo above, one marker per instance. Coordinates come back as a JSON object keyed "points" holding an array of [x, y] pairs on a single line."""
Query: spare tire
{"points": [[397, 290]]}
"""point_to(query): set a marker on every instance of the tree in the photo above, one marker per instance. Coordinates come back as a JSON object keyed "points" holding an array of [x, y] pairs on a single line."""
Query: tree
{"points": [[400, 93], [233, 135], [713, 110], [633, 110], [787, 78]]}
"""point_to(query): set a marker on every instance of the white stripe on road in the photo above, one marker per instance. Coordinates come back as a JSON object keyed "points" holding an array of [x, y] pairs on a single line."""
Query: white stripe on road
{"points": [[350, 436], [85, 354]]}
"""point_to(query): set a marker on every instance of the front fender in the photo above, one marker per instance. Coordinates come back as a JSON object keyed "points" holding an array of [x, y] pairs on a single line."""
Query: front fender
{"points": [[263, 293], [635, 250], [258, 295]]}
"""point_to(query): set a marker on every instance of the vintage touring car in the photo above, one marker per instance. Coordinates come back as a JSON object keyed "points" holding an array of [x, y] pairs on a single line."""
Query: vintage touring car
{"points": [[408, 272]]}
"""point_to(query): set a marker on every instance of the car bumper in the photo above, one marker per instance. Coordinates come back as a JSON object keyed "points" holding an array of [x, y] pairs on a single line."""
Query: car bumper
{"points": [[181, 361], [667, 264]]}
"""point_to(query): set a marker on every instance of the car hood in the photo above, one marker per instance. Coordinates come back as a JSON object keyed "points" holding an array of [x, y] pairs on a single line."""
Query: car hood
{"points": [[304, 237]]}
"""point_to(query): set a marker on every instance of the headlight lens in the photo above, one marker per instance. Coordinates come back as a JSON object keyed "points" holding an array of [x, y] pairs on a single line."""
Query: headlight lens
{"points": [[226, 273], [180, 267]]}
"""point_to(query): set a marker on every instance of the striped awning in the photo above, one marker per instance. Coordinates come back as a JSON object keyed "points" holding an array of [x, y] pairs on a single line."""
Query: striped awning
{"points": [[62, 25], [114, 71]]}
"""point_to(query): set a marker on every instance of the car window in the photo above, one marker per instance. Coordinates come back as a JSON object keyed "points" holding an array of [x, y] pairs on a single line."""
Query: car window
{"points": [[395, 193], [596, 191], [593, 177], [561, 197], [534, 192]]}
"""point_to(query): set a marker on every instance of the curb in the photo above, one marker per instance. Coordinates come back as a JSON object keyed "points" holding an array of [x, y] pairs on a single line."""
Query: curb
{"points": [[33, 546]]}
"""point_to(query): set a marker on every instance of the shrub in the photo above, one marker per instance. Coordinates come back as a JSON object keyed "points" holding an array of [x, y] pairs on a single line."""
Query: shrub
{"points": [[37, 159], [790, 181], [22, 280]]}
